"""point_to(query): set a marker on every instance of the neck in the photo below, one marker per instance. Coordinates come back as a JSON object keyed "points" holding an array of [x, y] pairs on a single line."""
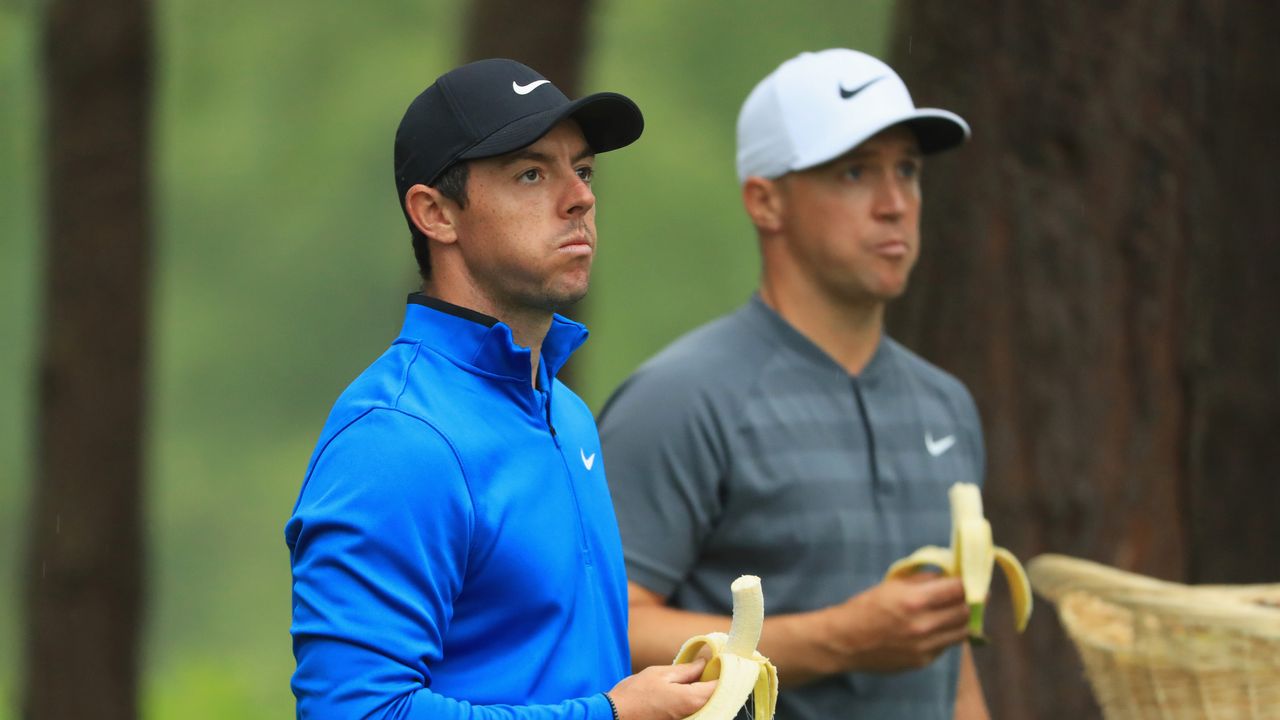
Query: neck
{"points": [[847, 330], [528, 330], [528, 326]]}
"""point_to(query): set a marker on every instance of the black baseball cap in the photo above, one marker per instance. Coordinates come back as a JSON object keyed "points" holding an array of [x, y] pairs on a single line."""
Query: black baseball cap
{"points": [[491, 107]]}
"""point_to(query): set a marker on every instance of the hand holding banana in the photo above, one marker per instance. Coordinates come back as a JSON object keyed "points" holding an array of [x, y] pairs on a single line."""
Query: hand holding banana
{"points": [[741, 670], [971, 557]]}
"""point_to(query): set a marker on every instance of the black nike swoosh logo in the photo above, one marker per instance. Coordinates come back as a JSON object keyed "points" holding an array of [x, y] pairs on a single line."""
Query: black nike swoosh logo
{"points": [[846, 94]]}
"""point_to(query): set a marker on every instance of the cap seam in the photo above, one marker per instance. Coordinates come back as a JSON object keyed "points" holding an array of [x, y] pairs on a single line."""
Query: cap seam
{"points": [[456, 110], [465, 124]]}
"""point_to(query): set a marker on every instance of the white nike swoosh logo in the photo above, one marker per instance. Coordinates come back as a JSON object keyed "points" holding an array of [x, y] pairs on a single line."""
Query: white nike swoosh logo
{"points": [[587, 460], [939, 446], [525, 90]]}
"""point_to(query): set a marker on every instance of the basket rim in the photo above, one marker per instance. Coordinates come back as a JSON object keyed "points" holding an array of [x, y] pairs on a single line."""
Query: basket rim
{"points": [[1057, 577]]}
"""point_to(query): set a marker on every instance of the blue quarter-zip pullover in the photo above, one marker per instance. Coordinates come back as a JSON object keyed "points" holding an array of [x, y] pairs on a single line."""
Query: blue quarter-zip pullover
{"points": [[454, 548]]}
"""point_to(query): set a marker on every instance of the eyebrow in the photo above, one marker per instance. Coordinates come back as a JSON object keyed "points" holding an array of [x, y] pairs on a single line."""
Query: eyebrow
{"points": [[527, 154]]}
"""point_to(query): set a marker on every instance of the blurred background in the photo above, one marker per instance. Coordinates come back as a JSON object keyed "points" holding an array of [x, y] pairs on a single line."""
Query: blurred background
{"points": [[1101, 267]]}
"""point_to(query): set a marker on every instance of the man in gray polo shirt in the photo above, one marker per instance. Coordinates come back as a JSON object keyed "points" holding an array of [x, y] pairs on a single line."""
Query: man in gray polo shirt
{"points": [[792, 439]]}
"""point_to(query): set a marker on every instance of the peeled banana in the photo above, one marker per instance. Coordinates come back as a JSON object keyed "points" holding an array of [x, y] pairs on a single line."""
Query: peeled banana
{"points": [[971, 557], [735, 662]]}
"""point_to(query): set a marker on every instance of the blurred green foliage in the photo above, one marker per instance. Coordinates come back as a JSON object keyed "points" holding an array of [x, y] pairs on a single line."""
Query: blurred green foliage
{"points": [[282, 263]]}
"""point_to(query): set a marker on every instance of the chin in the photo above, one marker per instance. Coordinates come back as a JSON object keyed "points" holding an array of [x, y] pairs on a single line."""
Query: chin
{"points": [[566, 298], [892, 288], [894, 292]]}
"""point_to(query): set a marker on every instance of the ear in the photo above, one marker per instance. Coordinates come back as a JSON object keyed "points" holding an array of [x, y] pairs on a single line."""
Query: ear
{"points": [[763, 200], [432, 213]]}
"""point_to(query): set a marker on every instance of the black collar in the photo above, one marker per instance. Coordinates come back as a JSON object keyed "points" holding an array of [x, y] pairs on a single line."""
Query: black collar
{"points": [[418, 298]]}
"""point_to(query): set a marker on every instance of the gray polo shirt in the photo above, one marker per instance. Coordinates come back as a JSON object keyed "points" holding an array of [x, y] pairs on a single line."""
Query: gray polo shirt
{"points": [[743, 448]]}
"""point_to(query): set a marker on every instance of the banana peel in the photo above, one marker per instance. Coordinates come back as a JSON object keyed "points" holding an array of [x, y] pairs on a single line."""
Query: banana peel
{"points": [[741, 670], [972, 557]]}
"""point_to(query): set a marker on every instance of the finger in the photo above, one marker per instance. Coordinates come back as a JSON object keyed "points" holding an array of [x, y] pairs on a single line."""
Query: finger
{"points": [[925, 629], [697, 695], [703, 688], [957, 614], [942, 638], [685, 673], [942, 591], [945, 620]]}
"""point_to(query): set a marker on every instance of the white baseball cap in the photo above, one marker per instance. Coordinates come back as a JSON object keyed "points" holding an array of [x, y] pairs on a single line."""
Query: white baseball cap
{"points": [[819, 105]]}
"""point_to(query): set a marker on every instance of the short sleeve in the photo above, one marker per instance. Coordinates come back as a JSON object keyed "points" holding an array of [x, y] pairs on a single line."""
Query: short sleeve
{"points": [[665, 455]]}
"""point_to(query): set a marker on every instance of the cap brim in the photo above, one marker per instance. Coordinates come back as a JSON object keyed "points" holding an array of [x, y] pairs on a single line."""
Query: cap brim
{"points": [[936, 130], [608, 120]]}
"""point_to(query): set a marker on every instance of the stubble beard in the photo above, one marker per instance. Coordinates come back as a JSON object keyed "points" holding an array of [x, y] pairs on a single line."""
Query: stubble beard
{"points": [[561, 299], [558, 294]]}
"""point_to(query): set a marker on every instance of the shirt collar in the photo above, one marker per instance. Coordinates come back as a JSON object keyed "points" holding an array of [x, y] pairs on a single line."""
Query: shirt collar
{"points": [[784, 332], [485, 343]]}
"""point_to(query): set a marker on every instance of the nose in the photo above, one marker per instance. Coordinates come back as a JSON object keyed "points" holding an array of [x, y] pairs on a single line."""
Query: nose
{"points": [[891, 200], [578, 197]]}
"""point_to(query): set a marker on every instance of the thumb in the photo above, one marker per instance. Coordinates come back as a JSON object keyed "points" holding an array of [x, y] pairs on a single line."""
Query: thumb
{"points": [[685, 673]]}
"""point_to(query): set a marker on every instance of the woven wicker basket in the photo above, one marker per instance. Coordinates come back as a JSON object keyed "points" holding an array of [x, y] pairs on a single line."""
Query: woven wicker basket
{"points": [[1156, 650]]}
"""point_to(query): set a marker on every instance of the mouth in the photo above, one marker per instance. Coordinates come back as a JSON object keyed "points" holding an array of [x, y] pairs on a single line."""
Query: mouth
{"points": [[578, 244], [894, 249]]}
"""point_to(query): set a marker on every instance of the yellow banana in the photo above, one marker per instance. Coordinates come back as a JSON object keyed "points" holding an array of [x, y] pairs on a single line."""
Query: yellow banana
{"points": [[971, 557], [735, 662]]}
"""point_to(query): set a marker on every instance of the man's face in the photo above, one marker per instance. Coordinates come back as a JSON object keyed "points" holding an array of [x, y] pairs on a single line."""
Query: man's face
{"points": [[853, 224], [528, 234]]}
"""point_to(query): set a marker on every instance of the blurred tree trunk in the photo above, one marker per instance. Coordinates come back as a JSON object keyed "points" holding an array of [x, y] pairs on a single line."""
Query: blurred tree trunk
{"points": [[85, 563], [1101, 266], [548, 36]]}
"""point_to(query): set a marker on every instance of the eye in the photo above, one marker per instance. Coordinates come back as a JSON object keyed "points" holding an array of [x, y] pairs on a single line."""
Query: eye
{"points": [[853, 172], [587, 173], [909, 169], [531, 175]]}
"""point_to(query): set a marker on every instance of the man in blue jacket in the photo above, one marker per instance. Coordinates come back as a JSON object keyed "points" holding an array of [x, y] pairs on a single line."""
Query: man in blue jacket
{"points": [[454, 548]]}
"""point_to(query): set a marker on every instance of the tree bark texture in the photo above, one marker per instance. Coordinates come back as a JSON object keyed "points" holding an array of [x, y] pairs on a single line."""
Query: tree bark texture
{"points": [[85, 562], [1101, 266], [549, 36]]}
